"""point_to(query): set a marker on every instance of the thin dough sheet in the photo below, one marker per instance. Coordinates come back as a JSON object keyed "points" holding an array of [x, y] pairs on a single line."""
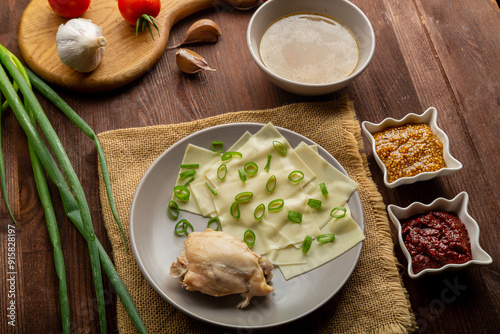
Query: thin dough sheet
{"points": [[256, 149], [195, 155], [340, 187], [274, 230], [199, 190], [347, 235], [277, 238]]}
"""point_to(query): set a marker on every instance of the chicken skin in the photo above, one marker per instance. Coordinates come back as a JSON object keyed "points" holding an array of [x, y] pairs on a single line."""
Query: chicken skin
{"points": [[218, 264]]}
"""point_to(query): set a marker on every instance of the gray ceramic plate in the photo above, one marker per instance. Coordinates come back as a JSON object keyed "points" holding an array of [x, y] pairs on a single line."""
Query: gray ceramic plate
{"points": [[156, 246]]}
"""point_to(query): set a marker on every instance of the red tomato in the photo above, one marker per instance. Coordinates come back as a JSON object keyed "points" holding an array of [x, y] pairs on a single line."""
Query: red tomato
{"points": [[132, 10], [69, 8]]}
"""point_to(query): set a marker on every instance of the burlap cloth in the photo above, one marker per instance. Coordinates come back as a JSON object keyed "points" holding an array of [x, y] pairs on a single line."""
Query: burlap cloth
{"points": [[372, 301]]}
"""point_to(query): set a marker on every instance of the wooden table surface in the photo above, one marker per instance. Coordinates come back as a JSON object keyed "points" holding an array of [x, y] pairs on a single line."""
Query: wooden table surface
{"points": [[442, 53]]}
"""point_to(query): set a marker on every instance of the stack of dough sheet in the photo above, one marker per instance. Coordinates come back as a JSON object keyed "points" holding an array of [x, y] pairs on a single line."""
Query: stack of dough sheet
{"points": [[276, 237]]}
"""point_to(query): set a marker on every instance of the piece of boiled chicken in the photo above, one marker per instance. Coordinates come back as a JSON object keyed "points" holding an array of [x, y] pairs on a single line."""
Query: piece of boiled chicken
{"points": [[218, 264]]}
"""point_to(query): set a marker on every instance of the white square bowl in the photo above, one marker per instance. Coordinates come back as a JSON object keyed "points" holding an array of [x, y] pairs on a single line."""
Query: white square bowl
{"points": [[457, 205], [428, 117]]}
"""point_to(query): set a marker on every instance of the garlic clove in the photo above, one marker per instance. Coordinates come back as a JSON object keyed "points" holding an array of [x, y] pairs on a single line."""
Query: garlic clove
{"points": [[203, 30], [190, 62], [80, 44]]}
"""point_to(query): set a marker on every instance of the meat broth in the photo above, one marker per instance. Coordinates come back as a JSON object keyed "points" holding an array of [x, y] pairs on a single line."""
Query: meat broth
{"points": [[309, 48]]}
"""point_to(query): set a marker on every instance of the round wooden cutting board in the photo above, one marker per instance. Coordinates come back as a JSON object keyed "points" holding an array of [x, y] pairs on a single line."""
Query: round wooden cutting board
{"points": [[127, 56]]}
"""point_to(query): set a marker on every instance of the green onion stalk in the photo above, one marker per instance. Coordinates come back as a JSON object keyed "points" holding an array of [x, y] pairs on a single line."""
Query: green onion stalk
{"points": [[53, 97], [4, 106], [2, 172], [73, 198], [43, 154], [50, 218]]}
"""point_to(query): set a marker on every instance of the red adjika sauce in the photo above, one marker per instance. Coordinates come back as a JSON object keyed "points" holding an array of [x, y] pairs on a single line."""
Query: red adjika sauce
{"points": [[435, 239]]}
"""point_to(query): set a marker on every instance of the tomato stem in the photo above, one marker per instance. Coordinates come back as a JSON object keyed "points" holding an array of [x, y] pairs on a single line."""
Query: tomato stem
{"points": [[144, 22]]}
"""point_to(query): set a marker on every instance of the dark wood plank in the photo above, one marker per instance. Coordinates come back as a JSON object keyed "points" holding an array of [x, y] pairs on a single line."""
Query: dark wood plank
{"points": [[465, 37], [468, 45]]}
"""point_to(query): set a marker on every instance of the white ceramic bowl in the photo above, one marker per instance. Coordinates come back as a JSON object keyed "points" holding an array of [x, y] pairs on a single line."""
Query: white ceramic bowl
{"points": [[341, 10], [428, 117], [457, 205]]}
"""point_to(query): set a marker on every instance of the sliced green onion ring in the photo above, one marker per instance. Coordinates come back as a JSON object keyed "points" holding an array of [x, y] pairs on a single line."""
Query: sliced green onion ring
{"points": [[259, 211], [275, 205], [189, 181], [314, 203], [243, 176], [280, 147], [271, 184], [216, 220], [217, 144], [175, 212], [185, 226], [322, 186], [187, 173], [212, 190], [251, 168], [327, 237], [222, 172], [244, 196], [249, 237], [306, 245], [338, 208], [295, 216], [228, 155], [189, 166], [268, 164], [296, 176], [235, 210], [182, 193]]}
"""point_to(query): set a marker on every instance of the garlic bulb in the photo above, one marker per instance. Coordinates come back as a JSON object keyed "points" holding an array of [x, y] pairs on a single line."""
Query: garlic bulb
{"points": [[80, 44]]}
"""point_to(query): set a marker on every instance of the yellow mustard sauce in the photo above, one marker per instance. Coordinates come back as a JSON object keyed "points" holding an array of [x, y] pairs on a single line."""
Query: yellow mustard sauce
{"points": [[409, 150]]}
